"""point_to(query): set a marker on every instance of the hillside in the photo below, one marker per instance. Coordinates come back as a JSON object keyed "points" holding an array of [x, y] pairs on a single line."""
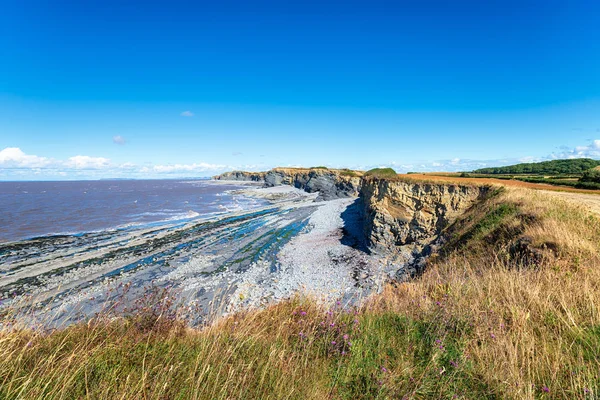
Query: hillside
{"points": [[507, 307], [555, 167]]}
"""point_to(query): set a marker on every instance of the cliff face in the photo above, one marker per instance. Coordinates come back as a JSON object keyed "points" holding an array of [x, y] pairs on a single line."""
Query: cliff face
{"points": [[330, 183], [397, 212], [400, 212], [241, 176]]}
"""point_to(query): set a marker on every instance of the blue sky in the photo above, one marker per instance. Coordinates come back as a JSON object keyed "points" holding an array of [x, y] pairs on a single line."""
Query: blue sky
{"points": [[101, 89]]}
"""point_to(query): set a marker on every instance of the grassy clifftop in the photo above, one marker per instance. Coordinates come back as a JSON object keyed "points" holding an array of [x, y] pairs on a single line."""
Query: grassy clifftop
{"points": [[510, 309]]}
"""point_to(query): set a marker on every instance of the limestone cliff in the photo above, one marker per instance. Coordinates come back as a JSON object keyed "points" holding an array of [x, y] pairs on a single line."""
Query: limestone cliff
{"points": [[404, 217], [399, 212], [330, 183]]}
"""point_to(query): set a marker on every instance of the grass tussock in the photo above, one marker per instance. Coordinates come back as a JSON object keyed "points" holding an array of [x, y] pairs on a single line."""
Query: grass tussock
{"points": [[480, 323]]}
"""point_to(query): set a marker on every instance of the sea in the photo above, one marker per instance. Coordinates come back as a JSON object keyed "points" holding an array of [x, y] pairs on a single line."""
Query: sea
{"points": [[36, 209]]}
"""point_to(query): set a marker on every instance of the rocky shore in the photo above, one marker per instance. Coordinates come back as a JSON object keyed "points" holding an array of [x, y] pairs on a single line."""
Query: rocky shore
{"points": [[403, 219], [297, 244], [329, 233]]}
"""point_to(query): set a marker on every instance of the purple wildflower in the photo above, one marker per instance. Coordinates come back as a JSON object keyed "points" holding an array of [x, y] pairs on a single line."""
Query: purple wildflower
{"points": [[384, 369], [545, 389], [303, 313], [346, 337], [333, 342]]}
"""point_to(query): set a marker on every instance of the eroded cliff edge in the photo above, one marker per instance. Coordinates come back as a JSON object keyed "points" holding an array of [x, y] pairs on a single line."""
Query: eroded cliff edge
{"points": [[330, 183], [401, 212], [403, 218]]}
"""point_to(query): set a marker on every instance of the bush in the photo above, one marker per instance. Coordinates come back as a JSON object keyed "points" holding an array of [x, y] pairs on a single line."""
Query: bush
{"points": [[591, 175], [381, 173]]}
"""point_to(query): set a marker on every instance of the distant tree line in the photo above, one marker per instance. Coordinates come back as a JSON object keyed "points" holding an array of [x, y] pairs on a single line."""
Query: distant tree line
{"points": [[576, 166]]}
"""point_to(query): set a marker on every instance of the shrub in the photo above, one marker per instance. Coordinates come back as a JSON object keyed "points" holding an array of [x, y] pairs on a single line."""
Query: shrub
{"points": [[591, 175], [381, 173]]}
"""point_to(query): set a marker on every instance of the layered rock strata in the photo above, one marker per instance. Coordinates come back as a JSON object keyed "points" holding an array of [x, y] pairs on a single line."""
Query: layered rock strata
{"points": [[401, 212], [330, 183], [397, 212]]}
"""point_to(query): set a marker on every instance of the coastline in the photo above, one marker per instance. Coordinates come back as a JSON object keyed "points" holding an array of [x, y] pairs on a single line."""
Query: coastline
{"points": [[218, 265]]}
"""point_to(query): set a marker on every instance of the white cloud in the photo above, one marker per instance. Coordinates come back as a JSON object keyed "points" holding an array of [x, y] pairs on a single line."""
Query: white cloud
{"points": [[592, 150], [16, 164], [187, 114], [87, 162], [14, 157], [196, 167], [128, 165], [119, 140], [528, 159]]}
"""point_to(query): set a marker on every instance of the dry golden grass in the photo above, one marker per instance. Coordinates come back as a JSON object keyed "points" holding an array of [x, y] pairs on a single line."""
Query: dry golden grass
{"points": [[455, 178], [535, 330], [479, 323]]}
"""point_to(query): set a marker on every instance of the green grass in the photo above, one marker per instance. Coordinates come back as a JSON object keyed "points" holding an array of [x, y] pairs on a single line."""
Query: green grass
{"points": [[345, 355], [348, 172], [493, 220]]}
